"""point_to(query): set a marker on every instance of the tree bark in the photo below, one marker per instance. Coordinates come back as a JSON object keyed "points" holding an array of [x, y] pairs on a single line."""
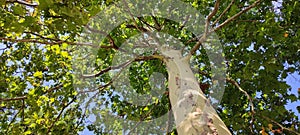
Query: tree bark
{"points": [[192, 111]]}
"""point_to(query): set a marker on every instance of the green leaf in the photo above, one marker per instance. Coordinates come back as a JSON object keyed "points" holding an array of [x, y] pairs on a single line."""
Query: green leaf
{"points": [[18, 10]]}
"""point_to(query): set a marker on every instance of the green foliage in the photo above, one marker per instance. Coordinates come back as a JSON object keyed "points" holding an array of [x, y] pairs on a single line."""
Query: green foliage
{"points": [[37, 93]]}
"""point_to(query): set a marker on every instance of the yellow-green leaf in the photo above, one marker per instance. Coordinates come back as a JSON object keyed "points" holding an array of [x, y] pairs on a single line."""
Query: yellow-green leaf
{"points": [[146, 108], [38, 74], [28, 132]]}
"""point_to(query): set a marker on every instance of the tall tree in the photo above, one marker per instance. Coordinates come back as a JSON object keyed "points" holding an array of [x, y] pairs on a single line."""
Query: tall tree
{"points": [[135, 71]]}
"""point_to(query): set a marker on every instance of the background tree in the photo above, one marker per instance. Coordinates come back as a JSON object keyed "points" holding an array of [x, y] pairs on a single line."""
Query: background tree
{"points": [[38, 40]]}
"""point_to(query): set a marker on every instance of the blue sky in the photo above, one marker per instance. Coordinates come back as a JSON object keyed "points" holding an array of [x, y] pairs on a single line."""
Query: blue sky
{"points": [[294, 81]]}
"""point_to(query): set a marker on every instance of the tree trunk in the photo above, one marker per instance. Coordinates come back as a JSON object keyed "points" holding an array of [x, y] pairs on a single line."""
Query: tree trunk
{"points": [[192, 111]]}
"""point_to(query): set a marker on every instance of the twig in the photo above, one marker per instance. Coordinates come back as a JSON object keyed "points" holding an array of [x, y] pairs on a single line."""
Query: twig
{"points": [[60, 113], [81, 120], [54, 88], [41, 36], [142, 118], [184, 22], [102, 87], [100, 73], [141, 29], [14, 118], [247, 21], [30, 40]]}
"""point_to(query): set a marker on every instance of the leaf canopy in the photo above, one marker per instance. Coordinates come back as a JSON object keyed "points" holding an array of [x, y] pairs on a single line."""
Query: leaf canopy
{"points": [[40, 94]]}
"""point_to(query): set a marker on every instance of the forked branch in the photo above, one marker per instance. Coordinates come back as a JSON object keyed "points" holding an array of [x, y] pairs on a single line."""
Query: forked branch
{"points": [[207, 31]]}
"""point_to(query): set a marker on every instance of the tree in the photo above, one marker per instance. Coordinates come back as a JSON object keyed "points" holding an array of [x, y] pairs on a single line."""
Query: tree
{"points": [[50, 85]]}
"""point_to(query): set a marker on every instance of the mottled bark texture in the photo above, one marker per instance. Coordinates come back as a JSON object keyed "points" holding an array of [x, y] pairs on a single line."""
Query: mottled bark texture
{"points": [[192, 111]]}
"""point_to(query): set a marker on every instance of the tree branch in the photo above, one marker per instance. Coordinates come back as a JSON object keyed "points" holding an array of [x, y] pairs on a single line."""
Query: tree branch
{"points": [[13, 99], [147, 24], [242, 90], [206, 32], [142, 118], [236, 15], [55, 42], [216, 8], [141, 58], [281, 126], [141, 29], [25, 97], [54, 88], [22, 3], [60, 113], [249, 98], [157, 25], [30, 40], [14, 118], [223, 13]]}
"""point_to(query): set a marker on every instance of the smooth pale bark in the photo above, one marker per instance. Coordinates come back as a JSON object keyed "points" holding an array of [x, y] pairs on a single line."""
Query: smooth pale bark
{"points": [[192, 111]]}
